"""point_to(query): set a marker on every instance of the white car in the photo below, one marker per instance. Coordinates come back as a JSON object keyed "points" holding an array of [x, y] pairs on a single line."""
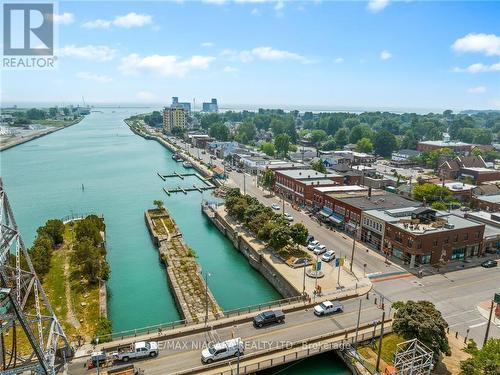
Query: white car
{"points": [[275, 206], [312, 245], [320, 249], [222, 350], [328, 307], [328, 256], [288, 216]]}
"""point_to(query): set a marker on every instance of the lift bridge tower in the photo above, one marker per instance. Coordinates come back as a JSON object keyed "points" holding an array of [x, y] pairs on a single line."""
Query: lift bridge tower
{"points": [[31, 338]]}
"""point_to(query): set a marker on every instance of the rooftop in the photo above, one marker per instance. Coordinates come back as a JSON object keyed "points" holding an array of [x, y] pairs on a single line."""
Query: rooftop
{"points": [[458, 186], [340, 188], [381, 200], [444, 222], [306, 174], [445, 144], [479, 169], [489, 198]]}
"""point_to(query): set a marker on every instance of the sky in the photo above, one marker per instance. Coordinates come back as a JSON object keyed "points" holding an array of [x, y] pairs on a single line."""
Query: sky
{"points": [[310, 54]]}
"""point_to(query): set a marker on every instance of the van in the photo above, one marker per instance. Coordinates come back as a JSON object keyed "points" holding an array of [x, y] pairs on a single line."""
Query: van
{"points": [[222, 350]]}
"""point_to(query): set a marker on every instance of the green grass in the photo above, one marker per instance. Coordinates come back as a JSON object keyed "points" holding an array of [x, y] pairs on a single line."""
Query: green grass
{"points": [[53, 284], [389, 346]]}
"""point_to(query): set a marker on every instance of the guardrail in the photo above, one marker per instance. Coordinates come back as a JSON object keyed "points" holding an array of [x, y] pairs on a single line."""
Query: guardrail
{"points": [[78, 216], [308, 349]]}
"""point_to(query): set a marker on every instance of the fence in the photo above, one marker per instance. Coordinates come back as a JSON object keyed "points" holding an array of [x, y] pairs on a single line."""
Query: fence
{"points": [[78, 216]]}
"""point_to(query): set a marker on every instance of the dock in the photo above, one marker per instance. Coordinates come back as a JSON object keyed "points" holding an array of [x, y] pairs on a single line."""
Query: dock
{"points": [[207, 184]]}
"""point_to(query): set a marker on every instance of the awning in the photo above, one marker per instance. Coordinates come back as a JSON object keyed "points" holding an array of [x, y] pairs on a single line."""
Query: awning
{"points": [[335, 220], [326, 211]]}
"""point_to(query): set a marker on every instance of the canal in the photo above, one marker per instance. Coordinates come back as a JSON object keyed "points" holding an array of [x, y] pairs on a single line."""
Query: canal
{"points": [[100, 166]]}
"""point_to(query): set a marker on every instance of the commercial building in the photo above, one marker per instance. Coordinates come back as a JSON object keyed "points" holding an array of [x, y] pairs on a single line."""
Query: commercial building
{"points": [[450, 167], [403, 158], [491, 221], [480, 175], [184, 105], [210, 106], [174, 117], [489, 203], [297, 185], [432, 237]]}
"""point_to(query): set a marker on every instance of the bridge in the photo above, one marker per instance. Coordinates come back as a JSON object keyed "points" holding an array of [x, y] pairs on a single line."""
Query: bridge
{"points": [[302, 335]]}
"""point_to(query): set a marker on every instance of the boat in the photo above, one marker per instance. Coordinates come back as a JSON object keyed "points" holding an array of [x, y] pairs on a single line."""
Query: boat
{"points": [[187, 164], [176, 157]]}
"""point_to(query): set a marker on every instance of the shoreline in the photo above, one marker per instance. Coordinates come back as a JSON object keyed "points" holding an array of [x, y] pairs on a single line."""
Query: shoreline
{"points": [[32, 137]]}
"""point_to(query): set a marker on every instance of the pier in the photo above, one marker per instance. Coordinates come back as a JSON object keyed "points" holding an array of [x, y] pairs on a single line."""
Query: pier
{"points": [[207, 185]]}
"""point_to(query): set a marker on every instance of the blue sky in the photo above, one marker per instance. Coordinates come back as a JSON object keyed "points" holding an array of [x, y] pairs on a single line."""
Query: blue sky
{"points": [[380, 54]]}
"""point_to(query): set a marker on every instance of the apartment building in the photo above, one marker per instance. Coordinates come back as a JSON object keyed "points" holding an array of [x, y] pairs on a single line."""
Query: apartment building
{"points": [[174, 117]]}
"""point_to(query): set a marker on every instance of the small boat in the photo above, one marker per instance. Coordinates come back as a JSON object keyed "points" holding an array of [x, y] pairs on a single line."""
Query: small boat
{"points": [[176, 157], [187, 164]]}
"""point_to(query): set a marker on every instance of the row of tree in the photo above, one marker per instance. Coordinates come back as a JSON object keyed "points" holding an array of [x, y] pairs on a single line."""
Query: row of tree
{"points": [[49, 237], [89, 252], [268, 226]]}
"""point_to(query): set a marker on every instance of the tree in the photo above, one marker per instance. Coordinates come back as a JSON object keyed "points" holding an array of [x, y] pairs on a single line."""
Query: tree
{"points": [[88, 257], [279, 237], [158, 203], [246, 132], [364, 145], [268, 148], [484, 361], [219, 131], [431, 193], [329, 145], [54, 229], [439, 206], [36, 114], [299, 233], [282, 144], [483, 136], [421, 320], [385, 143], [90, 228], [318, 165], [154, 119], [358, 132], [318, 136], [342, 137], [53, 112], [268, 179], [177, 131], [209, 119]]}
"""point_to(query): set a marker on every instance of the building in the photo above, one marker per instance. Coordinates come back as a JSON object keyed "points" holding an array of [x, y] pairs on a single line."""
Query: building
{"points": [[489, 203], [210, 106], [346, 157], [432, 237], [460, 190], [480, 175], [297, 185], [184, 105], [450, 167], [403, 158], [459, 147], [491, 239], [174, 117]]}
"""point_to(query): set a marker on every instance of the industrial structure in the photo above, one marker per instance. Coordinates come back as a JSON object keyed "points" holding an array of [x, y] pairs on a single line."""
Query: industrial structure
{"points": [[31, 337]]}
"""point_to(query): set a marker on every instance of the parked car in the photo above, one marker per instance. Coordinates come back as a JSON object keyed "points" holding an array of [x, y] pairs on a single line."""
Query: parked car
{"points": [[320, 249], [310, 239], [139, 349], [312, 244], [489, 263], [239, 170], [328, 256], [268, 317], [96, 359], [221, 350], [288, 216], [275, 206], [328, 307]]}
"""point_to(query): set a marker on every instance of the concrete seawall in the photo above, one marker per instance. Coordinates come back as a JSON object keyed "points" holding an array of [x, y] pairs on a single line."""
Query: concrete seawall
{"points": [[183, 272], [252, 252]]}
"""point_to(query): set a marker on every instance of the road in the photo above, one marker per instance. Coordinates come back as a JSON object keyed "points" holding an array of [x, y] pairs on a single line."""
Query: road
{"points": [[183, 353], [457, 294]]}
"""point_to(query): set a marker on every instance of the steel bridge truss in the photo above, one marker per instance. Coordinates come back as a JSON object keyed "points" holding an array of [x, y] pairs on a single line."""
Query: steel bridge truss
{"points": [[31, 338], [413, 358]]}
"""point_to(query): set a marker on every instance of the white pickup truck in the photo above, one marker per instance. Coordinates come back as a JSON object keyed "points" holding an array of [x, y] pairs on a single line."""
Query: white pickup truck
{"points": [[140, 349]]}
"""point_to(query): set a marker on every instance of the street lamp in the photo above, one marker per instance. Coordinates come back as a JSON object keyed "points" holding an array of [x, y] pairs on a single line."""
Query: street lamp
{"points": [[98, 362], [496, 299]]}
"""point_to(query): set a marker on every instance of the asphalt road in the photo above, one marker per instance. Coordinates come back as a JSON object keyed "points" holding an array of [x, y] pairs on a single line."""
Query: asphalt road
{"points": [[185, 352], [456, 294]]}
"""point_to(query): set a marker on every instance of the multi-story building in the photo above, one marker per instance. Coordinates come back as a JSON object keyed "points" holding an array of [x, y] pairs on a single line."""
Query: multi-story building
{"points": [[185, 105], [174, 117], [297, 185], [459, 147], [210, 106], [431, 237]]}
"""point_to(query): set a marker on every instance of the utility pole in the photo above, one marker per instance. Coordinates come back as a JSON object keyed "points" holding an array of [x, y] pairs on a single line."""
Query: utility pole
{"points": [[357, 324], [338, 276], [304, 282], [380, 342], [283, 203], [316, 280], [238, 364], [206, 298], [244, 184], [489, 323], [353, 244]]}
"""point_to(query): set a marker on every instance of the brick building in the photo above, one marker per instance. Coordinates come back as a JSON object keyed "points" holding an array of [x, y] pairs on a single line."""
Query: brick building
{"points": [[297, 185]]}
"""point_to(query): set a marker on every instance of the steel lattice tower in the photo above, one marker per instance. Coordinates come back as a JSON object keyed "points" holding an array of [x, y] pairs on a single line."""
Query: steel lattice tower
{"points": [[31, 338]]}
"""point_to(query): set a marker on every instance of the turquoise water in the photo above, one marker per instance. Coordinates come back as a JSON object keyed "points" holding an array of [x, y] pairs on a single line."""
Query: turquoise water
{"points": [[322, 364], [118, 169]]}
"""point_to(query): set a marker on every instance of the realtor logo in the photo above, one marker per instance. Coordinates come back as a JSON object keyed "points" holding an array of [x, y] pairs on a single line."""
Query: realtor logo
{"points": [[28, 29]]}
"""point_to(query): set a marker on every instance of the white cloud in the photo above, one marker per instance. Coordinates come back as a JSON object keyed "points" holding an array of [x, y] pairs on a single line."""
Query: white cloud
{"points": [[90, 52], [479, 68], [127, 21], [145, 95], [264, 53], [164, 65], [377, 5], [215, 2], [477, 90], [207, 44], [338, 60], [385, 55], [132, 20], [230, 69], [255, 12], [64, 18], [279, 5], [94, 77], [97, 24], [489, 44]]}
